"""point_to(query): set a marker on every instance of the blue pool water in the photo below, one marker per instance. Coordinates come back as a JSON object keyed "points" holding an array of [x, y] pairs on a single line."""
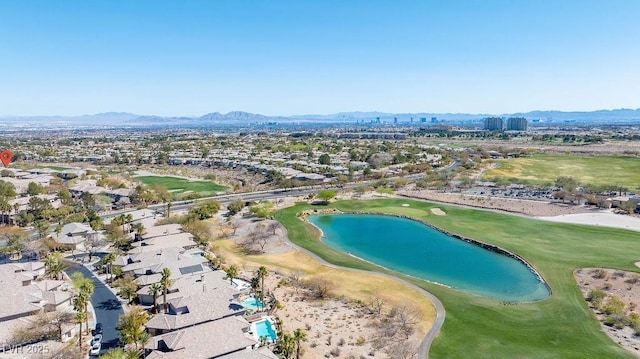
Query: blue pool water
{"points": [[253, 303], [264, 328], [413, 248]]}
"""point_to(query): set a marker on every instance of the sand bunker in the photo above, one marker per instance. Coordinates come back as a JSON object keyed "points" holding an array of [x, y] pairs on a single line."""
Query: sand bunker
{"points": [[438, 212], [598, 219]]}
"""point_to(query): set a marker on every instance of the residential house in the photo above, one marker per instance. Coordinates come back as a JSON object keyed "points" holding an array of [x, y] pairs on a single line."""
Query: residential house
{"points": [[75, 234], [208, 340], [193, 284], [209, 305]]}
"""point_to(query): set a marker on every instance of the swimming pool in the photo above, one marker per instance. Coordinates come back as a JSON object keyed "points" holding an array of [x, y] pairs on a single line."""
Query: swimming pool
{"points": [[253, 303], [264, 328]]}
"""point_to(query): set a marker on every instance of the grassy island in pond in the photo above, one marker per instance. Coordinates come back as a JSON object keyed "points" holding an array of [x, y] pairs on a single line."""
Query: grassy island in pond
{"points": [[561, 326]]}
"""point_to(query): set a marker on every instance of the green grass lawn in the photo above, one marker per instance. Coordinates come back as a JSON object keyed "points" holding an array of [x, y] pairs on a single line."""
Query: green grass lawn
{"points": [[561, 326], [180, 185], [543, 169], [55, 168]]}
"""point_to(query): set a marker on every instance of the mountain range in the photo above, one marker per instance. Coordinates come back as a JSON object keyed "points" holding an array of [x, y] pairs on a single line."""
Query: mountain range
{"points": [[246, 118]]}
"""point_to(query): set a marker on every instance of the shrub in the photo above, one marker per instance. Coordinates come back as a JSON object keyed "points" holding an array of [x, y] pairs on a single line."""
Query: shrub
{"points": [[614, 306], [360, 341], [595, 297], [599, 273], [617, 320]]}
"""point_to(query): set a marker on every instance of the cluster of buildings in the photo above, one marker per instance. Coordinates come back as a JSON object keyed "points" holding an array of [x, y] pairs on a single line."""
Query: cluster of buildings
{"points": [[512, 124], [204, 315], [26, 293]]}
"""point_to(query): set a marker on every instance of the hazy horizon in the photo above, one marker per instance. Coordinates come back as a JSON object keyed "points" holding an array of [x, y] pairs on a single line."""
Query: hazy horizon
{"points": [[287, 58], [308, 114]]}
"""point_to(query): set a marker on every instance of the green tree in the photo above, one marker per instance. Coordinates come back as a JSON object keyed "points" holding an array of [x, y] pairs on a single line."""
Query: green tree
{"points": [[5, 209], [42, 226], [140, 230], [165, 283], [7, 189], [235, 207], [255, 285], [83, 288], [326, 195], [262, 273], [299, 336], [131, 325], [34, 189], [154, 290], [108, 260], [324, 159], [65, 197], [15, 244], [205, 210], [53, 265], [81, 317], [263, 209], [286, 346], [232, 272], [127, 287]]}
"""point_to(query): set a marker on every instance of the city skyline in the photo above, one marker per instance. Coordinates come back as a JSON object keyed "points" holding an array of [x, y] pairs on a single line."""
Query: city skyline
{"points": [[294, 58]]}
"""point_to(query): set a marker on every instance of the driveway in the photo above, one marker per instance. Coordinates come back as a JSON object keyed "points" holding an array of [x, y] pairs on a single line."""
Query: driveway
{"points": [[106, 305]]}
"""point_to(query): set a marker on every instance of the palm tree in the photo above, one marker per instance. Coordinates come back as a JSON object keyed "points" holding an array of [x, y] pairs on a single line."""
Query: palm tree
{"points": [[84, 288], [53, 265], [154, 290], [232, 272], [165, 283], [262, 273], [299, 335], [5, 207], [140, 230], [255, 285], [128, 218], [80, 317], [58, 230], [108, 260], [286, 346]]}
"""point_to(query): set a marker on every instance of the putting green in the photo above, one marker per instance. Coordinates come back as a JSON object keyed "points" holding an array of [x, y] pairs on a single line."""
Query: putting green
{"points": [[561, 326]]}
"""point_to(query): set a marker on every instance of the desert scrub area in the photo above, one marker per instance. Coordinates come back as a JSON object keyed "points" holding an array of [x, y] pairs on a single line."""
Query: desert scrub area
{"points": [[614, 297], [345, 314]]}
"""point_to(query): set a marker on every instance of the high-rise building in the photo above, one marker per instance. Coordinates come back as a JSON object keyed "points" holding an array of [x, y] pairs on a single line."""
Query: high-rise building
{"points": [[423, 120], [493, 124], [517, 124]]}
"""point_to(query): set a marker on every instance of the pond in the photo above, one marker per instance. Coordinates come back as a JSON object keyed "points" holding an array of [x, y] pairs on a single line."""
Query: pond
{"points": [[414, 248]]}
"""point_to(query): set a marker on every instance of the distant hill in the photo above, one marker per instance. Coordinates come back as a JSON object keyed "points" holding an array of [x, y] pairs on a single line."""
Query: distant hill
{"points": [[246, 118]]}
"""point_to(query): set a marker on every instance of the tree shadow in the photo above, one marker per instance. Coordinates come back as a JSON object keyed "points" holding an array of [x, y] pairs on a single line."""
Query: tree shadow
{"points": [[110, 304]]}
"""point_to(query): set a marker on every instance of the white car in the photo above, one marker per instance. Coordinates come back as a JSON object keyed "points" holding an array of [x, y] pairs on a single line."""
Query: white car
{"points": [[97, 339], [95, 349]]}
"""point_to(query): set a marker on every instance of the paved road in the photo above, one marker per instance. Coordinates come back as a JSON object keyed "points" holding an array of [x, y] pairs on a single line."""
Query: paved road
{"points": [[106, 305]]}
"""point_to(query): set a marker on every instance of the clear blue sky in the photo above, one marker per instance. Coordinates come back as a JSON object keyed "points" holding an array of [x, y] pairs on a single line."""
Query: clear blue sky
{"points": [[299, 57]]}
